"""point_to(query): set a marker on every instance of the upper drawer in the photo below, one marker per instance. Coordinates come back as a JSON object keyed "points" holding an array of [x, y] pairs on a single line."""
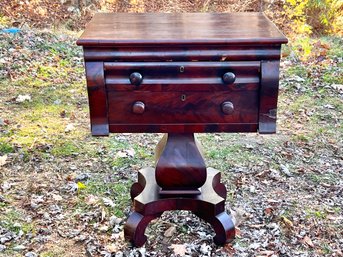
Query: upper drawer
{"points": [[184, 53], [181, 76]]}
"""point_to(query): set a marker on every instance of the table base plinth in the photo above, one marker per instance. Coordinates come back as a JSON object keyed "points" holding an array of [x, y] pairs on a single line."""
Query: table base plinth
{"points": [[149, 204]]}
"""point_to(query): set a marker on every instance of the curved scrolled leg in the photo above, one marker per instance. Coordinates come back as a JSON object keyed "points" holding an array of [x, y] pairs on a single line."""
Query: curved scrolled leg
{"points": [[135, 228], [223, 227]]}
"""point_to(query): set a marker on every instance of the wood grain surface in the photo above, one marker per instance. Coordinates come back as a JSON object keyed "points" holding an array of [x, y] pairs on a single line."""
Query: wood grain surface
{"points": [[185, 28], [182, 52], [169, 107]]}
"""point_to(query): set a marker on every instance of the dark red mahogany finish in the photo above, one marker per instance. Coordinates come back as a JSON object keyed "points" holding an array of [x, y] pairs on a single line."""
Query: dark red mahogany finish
{"points": [[180, 74]]}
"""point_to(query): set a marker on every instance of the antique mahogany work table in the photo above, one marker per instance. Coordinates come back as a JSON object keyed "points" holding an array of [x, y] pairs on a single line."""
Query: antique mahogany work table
{"points": [[180, 74]]}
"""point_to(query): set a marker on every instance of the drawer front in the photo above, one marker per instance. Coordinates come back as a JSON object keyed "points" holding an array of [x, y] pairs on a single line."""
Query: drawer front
{"points": [[182, 76], [152, 108], [185, 53]]}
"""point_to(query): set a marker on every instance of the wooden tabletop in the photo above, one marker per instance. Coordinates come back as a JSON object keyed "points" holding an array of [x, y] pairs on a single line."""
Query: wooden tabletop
{"points": [[184, 28]]}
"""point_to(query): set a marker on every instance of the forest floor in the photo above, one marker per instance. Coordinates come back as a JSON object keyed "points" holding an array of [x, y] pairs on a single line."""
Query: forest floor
{"points": [[65, 193]]}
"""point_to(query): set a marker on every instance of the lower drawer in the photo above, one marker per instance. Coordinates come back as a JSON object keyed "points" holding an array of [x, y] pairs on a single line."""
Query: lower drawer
{"points": [[158, 108]]}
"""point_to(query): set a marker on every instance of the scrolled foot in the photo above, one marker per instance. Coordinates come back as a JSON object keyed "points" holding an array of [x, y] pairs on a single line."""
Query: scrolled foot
{"points": [[135, 227], [224, 229]]}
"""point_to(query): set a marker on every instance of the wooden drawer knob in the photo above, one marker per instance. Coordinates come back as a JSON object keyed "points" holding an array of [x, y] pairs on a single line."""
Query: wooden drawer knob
{"points": [[227, 107], [136, 78], [229, 78], [138, 107]]}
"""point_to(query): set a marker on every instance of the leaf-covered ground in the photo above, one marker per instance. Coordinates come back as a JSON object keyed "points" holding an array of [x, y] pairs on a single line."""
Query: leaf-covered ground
{"points": [[65, 193]]}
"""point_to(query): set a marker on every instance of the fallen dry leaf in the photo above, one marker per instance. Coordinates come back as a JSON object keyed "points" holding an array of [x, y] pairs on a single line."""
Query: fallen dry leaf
{"points": [[23, 98], [57, 197], [287, 222], [121, 154], [268, 210], [71, 177], [3, 160], [265, 253], [170, 231], [104, 228], [131, 152], [112, 248], [256, 225], [229, 249], [91, 200], [108, 202], [237, 216], [70, 127], [308, 241], [179, 249], [238, 232], [103, 214]]}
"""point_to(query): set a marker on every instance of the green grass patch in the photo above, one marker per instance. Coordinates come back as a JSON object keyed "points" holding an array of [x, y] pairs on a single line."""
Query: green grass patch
{"points": [[2, 205], [297, 70], [117, 191], [14, 221], [333, 75], [336, 50], [314, 213], [326, 249], [320, 116], [230, 153], [301, 103], [43, 131], [302, 137], [57, 251], [125, 154], [5, 147], [242, 243], [337, 210], [290, 210], [64, 149], [327, 178], [43, 124]]}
